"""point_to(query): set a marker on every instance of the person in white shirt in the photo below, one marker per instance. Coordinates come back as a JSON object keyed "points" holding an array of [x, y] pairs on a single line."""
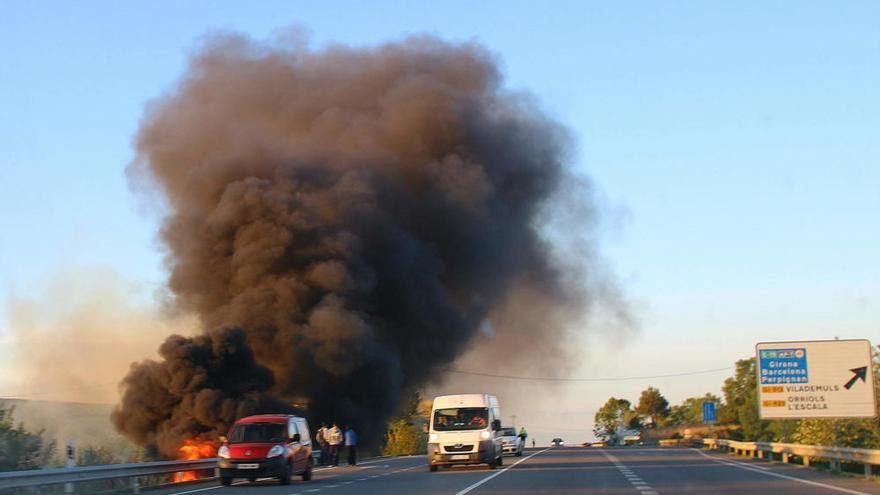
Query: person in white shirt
{"points": [[321, 438], [334, 438]]}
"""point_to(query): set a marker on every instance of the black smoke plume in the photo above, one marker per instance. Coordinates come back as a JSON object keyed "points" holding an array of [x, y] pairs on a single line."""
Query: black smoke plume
{"points": [[344, 222]]}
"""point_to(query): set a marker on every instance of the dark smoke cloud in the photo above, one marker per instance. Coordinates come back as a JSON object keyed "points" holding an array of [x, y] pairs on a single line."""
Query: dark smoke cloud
{"points": [[357, 215]]}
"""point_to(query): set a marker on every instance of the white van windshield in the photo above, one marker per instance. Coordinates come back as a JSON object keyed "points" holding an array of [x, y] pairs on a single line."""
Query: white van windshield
{"points": [[461, 418]]}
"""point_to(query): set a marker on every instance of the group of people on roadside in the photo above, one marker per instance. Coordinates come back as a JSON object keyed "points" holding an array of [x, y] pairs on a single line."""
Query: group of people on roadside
{"points": [[332, 439]]}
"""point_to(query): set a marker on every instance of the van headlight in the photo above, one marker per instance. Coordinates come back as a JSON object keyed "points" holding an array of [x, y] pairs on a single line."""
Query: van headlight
{"points": [[433, 437], [223, 452], [485, 435], [275, 451]]}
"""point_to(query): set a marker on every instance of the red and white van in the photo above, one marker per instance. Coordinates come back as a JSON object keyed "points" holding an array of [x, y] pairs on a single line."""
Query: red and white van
{"points": [[268, 445]]}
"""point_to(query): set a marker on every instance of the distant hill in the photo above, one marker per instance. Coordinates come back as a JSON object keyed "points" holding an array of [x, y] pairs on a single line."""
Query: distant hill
{"points": [[87, 424]]}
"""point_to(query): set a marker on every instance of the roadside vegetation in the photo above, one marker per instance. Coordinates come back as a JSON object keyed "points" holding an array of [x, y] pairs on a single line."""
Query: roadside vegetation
{"points": [[737, 413]]}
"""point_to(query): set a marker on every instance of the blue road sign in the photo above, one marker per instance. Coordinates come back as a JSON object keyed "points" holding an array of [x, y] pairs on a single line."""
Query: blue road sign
{"points": [[778, 366], [709, 412]]}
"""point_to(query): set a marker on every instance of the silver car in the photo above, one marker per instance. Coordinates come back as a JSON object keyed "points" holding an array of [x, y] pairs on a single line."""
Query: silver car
{"points": [[511, 442]]}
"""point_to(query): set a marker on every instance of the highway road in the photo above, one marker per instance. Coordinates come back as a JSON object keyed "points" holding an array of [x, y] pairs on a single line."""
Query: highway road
{"points": [[621, 471]]}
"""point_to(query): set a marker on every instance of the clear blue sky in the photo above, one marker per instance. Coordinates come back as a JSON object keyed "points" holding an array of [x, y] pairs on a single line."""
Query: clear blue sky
{"points": [[737, 145]]}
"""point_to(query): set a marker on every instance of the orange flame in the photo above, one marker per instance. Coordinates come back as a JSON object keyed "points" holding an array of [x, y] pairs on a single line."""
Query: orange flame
{"points": [[191, 450]]}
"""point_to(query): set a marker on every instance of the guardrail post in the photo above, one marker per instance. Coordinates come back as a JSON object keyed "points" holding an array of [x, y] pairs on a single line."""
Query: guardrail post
{"points": [[71, 462], [785, 457], [868, 473], [135, 486], [806, 461], [835, 465]]}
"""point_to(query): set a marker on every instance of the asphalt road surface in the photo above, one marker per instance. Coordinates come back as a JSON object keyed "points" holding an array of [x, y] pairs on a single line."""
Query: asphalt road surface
{"points": [[622, 471]]}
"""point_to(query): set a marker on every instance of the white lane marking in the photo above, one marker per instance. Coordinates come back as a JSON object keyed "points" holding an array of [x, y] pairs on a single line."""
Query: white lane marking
{"points": [[206, 489], [198, 490], [499, 473], [783, 476], [313, 490], [634, 479], [325, 468], [753, 466], [331, 486]]}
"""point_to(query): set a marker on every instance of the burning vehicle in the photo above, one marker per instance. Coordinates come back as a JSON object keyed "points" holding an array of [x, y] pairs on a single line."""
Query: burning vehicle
{"points": [[344, 223], [268, 445]]}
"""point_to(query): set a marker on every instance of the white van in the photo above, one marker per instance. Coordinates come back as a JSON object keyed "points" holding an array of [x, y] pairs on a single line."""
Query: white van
{"points": [[463, 431]]}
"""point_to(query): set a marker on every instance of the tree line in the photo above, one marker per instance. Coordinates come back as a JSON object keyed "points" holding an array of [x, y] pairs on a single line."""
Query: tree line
{"points": [[737, 415]]}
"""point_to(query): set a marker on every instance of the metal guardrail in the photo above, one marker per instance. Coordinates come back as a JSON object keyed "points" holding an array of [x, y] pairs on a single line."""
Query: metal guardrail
{"points": [[807, 453], [40, 477], [55, 476]]}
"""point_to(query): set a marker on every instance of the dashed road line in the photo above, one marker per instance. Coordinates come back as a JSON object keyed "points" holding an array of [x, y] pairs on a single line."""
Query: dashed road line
{"points": [[641, 486]]}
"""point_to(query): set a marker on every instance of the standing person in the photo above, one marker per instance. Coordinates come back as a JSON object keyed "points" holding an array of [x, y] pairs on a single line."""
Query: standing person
{"points": [[351, 440], [334, 438], [533, 443], [523, 435], [321, 438]]}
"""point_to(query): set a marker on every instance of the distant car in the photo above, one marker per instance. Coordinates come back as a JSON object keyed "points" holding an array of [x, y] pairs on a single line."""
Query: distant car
{"points": [[511, 442], [269, 445], [557, 442]]}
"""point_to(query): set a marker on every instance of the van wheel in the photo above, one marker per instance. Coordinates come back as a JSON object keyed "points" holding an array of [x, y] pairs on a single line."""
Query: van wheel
{"points": [[284, 475], [225, 480], [500, 461], [307, 474]]}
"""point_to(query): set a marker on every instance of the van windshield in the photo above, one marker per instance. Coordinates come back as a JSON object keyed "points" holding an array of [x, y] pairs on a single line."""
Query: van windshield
{"points": [[507, 432], [258, 432], [461, 418]]}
